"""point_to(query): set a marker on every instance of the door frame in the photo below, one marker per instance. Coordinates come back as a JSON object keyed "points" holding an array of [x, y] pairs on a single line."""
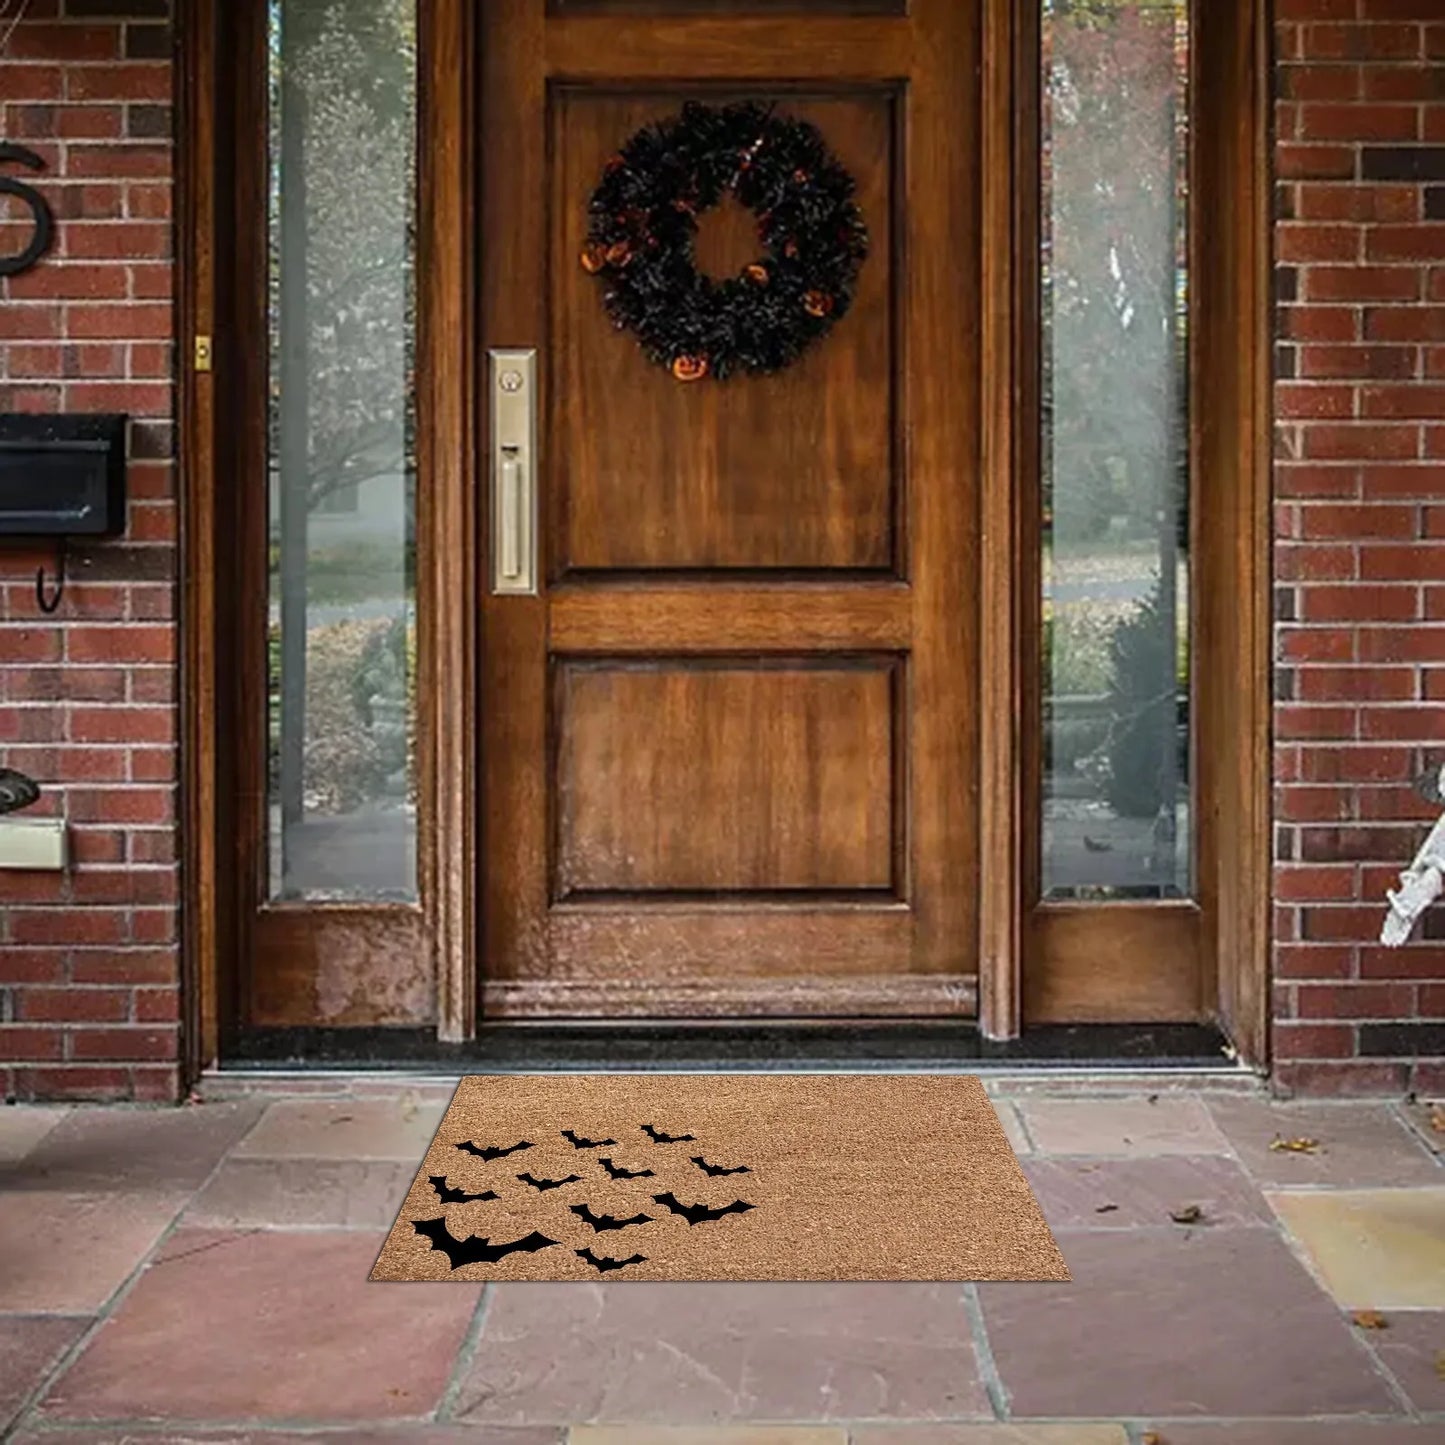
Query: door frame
{"points": [[1230, 445]]}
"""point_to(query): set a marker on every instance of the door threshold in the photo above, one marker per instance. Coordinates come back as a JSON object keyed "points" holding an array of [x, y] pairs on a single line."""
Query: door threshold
{"points": [[764, 1046]]}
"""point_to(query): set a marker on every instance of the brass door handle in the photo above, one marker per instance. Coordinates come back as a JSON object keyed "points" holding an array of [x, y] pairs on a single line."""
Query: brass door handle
{"points": [[513, 471]]}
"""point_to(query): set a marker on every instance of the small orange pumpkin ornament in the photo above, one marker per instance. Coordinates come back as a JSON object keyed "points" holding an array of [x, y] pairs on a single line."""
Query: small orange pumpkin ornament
{"points": [[593, 259], [818, 303], [619, 253], [757, 273], [690, 368]]}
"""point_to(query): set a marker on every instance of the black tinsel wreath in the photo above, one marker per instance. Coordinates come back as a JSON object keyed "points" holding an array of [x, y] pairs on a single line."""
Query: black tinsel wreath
{"points": [[643, 222]]}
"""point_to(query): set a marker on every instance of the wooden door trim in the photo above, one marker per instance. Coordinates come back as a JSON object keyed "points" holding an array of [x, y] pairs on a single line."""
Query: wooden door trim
{"points": [[448, 580], [1008, 288], [204, 887]]}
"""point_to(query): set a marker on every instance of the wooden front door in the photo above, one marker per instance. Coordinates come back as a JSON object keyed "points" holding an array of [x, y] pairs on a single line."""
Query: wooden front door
{"points": [[728, 749]]}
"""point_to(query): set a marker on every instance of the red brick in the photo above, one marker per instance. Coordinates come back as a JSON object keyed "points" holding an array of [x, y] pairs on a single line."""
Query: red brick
{"points": [[1338, 441], [1313, 960], [1405, 323], [1313, 1041], [100, 1085], [1418, 563], [1380, 201], [123, 1043], [1322, 563], [138, 966], [1355, 1078], [18, 1041], [1359, 283], [1320, 323], [1335, 521], [1360, 42], [65, 1005], [1387, 483], [1358, 362], [1355, 1000], [1303, 804], [146, 81], [1312, 399], [1403, 399], [122, 725], [1311, 241], [1377, 684], [1302, 883], [1306, 162], [1350, 121], [1421, 724], [1358, 602]]}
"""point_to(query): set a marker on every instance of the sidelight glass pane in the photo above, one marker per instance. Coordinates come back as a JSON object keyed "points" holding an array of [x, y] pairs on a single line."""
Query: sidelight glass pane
{"points": [[1116, 765], [341, 639]]}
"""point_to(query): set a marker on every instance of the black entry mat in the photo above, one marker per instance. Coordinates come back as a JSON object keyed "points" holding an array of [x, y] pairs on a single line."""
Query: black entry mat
{"points": [[718, 1048]]}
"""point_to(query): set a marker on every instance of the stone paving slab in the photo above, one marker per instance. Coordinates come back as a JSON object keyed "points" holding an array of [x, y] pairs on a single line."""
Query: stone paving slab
{"points": [[68, 1253], [29, 1346], [1373, 1248], [998, 1434], [277, 1193], [707, 1435], [146, 1433], [114, 1148], [1178, 1322], [23, 1126], [396, 1128], [268, 1325], [701, 1354], [1156, 1124], [1412, 1348], [1129, 1193], [1358, 1144]]}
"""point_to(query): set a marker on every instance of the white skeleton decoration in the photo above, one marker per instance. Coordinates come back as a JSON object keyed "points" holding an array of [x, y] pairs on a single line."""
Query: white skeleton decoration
{"points": [[1422, 882]]}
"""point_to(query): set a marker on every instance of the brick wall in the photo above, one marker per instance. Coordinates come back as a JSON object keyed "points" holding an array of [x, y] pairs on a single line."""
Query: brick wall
{"points": [[1360, 532], [88, 972], [88, 999]]}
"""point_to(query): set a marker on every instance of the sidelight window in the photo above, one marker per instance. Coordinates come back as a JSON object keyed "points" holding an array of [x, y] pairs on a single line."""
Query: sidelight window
{"points": [[341, 458], [1116, 769]]}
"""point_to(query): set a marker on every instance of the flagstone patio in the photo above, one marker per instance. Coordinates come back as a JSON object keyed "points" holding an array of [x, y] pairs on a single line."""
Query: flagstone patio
{"points": [[199, 1274]]}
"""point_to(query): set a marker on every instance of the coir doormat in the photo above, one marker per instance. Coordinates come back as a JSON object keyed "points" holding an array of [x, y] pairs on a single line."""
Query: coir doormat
{"points": [[720, 1176]]}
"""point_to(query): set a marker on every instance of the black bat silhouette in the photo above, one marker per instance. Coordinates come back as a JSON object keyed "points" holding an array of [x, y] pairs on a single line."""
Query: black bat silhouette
{"points": [[617, 1172], [715, 1169], [599, 1222], [467, 1147], [700, 1213], [659, 1138], [474, 1249], [577, 1142], [448, 1195], [602, 1265], [549, 1183]]}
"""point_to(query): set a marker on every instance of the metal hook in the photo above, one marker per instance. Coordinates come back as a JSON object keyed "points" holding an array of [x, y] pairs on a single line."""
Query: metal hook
{"points": [[49, 605]]}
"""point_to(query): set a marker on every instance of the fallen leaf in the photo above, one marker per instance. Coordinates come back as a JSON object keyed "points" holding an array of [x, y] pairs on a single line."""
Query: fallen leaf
{"points": [[1369, 1320], [1437, 1118], [1440, 1364], [1105, 1208], [1151, 1437], [1295, 1146], [1187, 1214]]}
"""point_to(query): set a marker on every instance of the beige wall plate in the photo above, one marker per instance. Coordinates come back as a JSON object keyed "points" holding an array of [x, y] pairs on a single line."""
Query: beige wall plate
{"points": [[32, 843]]}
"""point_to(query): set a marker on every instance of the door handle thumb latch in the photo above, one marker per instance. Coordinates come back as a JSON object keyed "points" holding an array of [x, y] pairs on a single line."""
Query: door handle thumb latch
{"points": [[513, 471]]}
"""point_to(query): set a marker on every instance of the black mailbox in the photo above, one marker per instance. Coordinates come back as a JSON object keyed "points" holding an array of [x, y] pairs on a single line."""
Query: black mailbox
{"points": [[62, 476]]}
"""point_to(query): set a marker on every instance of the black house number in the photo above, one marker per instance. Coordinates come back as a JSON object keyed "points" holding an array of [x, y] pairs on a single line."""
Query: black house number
{"points": [[41, 214]]}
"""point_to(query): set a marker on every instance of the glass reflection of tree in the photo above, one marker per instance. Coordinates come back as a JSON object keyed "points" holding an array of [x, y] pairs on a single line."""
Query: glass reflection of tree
{"points": [[340, 295]]}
